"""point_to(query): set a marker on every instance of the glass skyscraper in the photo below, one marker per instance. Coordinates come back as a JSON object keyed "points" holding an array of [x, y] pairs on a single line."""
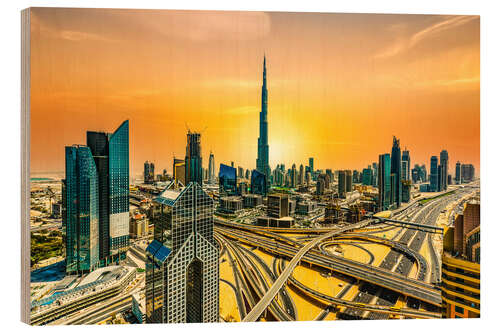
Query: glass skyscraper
{"points": [[81, 211], [443, 160], [406, 172], [384, 181], [111, 156], [119, 189], [434, 174], [258, 183], [182, 266], [396, 170], [227, 180], [211, 169]]}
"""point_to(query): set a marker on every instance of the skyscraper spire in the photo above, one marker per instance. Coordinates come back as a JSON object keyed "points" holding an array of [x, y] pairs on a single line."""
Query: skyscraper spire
{"points": [[263, 146]]}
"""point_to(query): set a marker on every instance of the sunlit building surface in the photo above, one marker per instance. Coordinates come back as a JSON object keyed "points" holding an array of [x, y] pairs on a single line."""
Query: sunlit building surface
{"points": [[182, 269], [460, 288]]}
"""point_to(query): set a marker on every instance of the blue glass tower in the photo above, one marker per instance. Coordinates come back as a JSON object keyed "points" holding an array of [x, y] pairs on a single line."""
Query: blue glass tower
{"points": [[111, 156], [82, 210], [263, 146], [434, 174], [384, 181], [227, 180], [119, 189], [258, 183]]}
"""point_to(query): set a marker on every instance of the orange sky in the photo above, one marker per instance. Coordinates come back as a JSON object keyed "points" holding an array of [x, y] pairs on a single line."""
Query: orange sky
{"points": [[340, 85]]}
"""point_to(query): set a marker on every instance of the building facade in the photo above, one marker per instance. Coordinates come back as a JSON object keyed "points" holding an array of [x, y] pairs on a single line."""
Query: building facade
{"points": [[443, 161], [182, 268], [384, 182], [81, 218], [262, 144], [460, 288], [211, 169], [193, 166], [434, 174]]}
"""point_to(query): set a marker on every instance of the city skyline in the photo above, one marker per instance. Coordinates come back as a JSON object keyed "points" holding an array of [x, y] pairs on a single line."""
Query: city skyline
{"points": [[420, 97]]}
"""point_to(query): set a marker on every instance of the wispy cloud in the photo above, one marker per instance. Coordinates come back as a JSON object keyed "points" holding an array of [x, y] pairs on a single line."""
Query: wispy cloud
{"points": [[460, 82], [405, 44]]}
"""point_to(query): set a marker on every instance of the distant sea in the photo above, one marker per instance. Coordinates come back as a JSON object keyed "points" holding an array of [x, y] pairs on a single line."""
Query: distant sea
{"points": [[41, 179]]}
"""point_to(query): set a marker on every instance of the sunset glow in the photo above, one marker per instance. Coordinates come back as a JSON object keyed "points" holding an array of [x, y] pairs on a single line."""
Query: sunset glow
{"points": [[340, 85]]}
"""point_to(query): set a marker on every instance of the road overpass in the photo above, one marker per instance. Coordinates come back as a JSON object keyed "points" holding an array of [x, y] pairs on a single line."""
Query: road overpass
{"points": [[264, 302], [423, 227]]}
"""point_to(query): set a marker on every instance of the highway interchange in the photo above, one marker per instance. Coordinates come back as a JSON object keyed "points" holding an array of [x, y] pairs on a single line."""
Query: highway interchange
{"points": [[403, 285]]}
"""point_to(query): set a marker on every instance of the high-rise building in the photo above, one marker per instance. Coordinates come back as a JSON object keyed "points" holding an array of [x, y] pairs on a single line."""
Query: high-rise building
{"points": [[293, 176], [375, 174], [111, 156], [458, 173], [247, 174], [193, 158], [342, 183], [179, 170], [355, 176], [384, 181], [182, 262], [443, 160], [263, 146], [404, 170], [434, 174], [468, 173], [211, 169], [396, 170], [149, 169], [367, 177], [311, 164], [405, 157], [440, 184], [301, 175], [348, 181], [81, 211], [240, 172]]}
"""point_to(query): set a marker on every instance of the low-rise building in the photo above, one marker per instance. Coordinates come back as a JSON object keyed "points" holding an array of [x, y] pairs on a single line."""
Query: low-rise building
{"points": [[283, 222], [231, 204], [305, 207], [139, 307], [252, 200], [139, 226]]}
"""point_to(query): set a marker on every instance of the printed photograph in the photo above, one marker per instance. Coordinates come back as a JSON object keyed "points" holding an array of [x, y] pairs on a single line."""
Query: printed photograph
{"points": [[236, 166]]}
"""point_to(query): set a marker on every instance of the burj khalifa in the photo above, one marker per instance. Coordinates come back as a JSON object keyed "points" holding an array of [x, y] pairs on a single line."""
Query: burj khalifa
{"points": [[263, 146]]}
